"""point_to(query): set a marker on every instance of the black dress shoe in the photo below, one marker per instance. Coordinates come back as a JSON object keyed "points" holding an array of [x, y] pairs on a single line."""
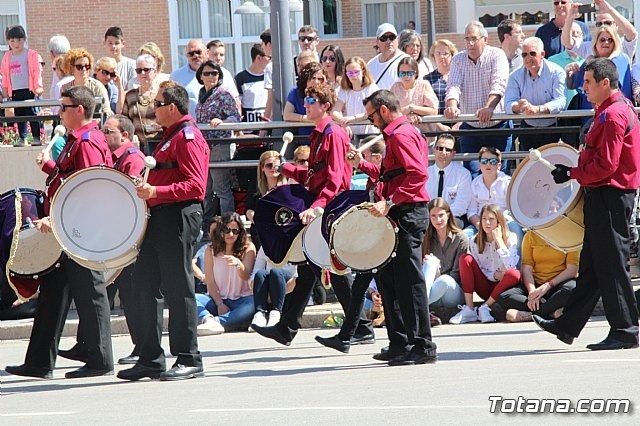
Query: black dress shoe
{"points": [[388, 355], [138, 372], [76, 353], [365, 339], [182, 372], [26, 371], [414, 358], [272, 333], [129, 359], [610, 343], [335, 343], [434, 320], [550, 326], [88, 372]]}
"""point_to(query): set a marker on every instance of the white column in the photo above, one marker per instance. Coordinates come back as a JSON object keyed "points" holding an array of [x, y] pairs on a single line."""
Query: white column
{"points": [[460, 13]]}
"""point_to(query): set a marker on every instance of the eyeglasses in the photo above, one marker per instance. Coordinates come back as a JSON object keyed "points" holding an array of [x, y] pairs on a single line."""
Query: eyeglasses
{"points": [[492, 161], [194, 53], [354, 73], [310, 100], [387, 37], [532, 54], [605, 40], [371, 116], [79, 67], [159, 104], [270, 166], [328, 58], [403, 74], [443, 54], [213, 73], [108, 131], [227, 230], [601, 23], [109, 73], [144, 70], [558, 3], [302, 161], [307, 39], [267, 56], [444, 148], [472, 40], [64, 107]]}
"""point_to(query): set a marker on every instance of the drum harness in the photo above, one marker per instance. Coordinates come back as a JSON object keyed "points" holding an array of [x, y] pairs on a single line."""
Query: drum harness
{"points": [[121, 159], [321, 164], [173, 164], [386, 176], [66, 151]]}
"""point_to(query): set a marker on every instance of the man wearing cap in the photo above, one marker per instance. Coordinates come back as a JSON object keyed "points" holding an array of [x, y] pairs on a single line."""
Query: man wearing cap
{"points": [[384, 66]]}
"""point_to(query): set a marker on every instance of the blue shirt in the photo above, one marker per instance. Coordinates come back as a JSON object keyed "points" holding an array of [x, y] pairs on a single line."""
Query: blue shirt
{"points": [[297, 101], [550, 34], [563, 59], [547, 89], [187, 79]]}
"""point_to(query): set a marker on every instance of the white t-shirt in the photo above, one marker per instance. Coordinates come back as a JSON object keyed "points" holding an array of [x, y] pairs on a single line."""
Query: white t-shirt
{"points": [[353, 106], [126, 69], [377, 68]]}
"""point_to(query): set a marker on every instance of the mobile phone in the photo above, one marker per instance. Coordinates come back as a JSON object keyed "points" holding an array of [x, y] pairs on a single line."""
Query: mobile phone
{"points": [[587, 8]]}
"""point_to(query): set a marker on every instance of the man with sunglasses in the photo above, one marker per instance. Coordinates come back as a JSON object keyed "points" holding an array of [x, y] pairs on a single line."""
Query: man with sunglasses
{"points": [[384, 66], [551, 32], [607, 15], [450, 180], [196, 54], [533, 89], [86, 146], [174, 193], [307, 41]]}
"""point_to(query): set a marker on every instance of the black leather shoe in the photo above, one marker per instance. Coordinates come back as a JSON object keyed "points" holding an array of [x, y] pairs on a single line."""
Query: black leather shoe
{"points": [[366, 339], [610, 343], [272, 333], [26, 371], [388, 355], [182, 372], [434, 320], [414, 358], [138, 372], [335, 343], [129, 359], [87, 372], [76, 353], [550, 326]]}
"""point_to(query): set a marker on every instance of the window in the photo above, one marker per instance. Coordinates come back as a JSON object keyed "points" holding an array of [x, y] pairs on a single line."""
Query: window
{"points": [[396, 12], [215, 19], [11, 13], [326, 16]]}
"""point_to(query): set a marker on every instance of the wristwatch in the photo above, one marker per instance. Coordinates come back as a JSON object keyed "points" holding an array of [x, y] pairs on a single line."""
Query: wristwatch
{"points": [[390, 202]]}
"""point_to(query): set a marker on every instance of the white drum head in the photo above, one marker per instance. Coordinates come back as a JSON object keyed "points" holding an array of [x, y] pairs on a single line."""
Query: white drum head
{"points": [[314, 245], [36, 253], [98, 219], [534, 199], [296, 254]]}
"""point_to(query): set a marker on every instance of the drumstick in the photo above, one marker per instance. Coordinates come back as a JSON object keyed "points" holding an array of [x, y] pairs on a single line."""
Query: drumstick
{"points": [[58, 132], [286, 138], [318, 211], [535, 155], [370, 143], [149, 163]]}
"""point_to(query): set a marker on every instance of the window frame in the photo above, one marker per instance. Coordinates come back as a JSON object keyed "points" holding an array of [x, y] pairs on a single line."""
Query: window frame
{"points": [[22, 17], [391, 17]]}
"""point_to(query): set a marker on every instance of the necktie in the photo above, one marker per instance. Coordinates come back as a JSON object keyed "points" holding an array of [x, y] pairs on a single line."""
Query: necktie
{"points": [[440, 182]]}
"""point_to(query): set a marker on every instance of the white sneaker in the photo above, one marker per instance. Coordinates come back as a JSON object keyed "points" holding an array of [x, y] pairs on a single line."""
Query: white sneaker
{"points": [[259, 319], [484, 313], [274, 318], [465, 315], [210, 328]]}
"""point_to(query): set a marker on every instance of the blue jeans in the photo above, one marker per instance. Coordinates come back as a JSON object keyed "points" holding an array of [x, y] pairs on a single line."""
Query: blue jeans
{"points": [[240, 310], [472, 144], [270, 284]]}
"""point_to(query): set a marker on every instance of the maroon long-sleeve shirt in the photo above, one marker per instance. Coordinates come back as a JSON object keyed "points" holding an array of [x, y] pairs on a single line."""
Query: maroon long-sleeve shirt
{"points": [[130, 163]]}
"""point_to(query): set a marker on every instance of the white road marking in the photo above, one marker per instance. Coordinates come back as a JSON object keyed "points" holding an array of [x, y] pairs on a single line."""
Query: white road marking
{"points": [[373, 407], [602, 360], [48, 413]]}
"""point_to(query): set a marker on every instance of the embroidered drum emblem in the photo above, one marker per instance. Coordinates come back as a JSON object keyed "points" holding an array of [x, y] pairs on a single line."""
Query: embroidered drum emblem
{"points": [[283, 216]]}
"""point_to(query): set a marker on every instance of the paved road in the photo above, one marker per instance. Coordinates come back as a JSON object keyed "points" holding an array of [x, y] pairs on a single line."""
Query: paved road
{"points": [[249, 381]]}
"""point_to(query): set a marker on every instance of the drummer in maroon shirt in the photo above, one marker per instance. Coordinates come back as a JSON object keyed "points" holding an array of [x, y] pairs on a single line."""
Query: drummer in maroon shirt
{"points": [[126, 157], [86, 146], [328, 174], [402, 187], [174, 194], [609, 171]]}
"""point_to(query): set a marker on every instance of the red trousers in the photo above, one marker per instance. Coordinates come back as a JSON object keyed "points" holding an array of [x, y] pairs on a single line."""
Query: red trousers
{"points": [[474, 280]]}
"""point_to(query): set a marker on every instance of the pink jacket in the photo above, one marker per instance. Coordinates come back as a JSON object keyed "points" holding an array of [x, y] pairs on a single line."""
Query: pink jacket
{"points": [[35, 74]]}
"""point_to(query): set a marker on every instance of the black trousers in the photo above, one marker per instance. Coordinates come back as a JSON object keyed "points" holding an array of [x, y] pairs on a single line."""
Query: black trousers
{"points": [[291, 318], [87, 288], [23, 95], [603, 262], [556, 298], [402, 286], [354, 313], [163, 270]]}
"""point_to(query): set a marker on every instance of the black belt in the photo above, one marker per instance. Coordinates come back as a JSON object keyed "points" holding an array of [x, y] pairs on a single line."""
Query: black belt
{"points": [[180, 204], [166, 165]]}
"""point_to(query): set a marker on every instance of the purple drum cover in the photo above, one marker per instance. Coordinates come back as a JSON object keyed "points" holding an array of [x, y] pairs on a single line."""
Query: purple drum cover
{"points": [[338, 206]]}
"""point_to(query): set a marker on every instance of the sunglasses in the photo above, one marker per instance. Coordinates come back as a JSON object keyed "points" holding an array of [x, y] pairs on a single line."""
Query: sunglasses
{"points": [[144, 70], [308, 39], [159, 104], [213, 73], [267, 56], [43, 63], [227, 230], [387, 37], [64, 107], [353, 73], [605, 40], [492, 161], [194, 53], [532, 54], [601, 23], [109, 73], [302, 161], [328, 58], [444, 148], [371, 116], [558, 3], [108, 132], [403, 74], [270, 166], [82, 67], [309, 100]]}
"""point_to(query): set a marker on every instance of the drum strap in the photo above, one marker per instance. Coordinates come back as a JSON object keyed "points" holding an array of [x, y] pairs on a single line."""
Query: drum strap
{"points": [[391, 174], [66, 151], [120, 159], [321, 164], [173, 164]]}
